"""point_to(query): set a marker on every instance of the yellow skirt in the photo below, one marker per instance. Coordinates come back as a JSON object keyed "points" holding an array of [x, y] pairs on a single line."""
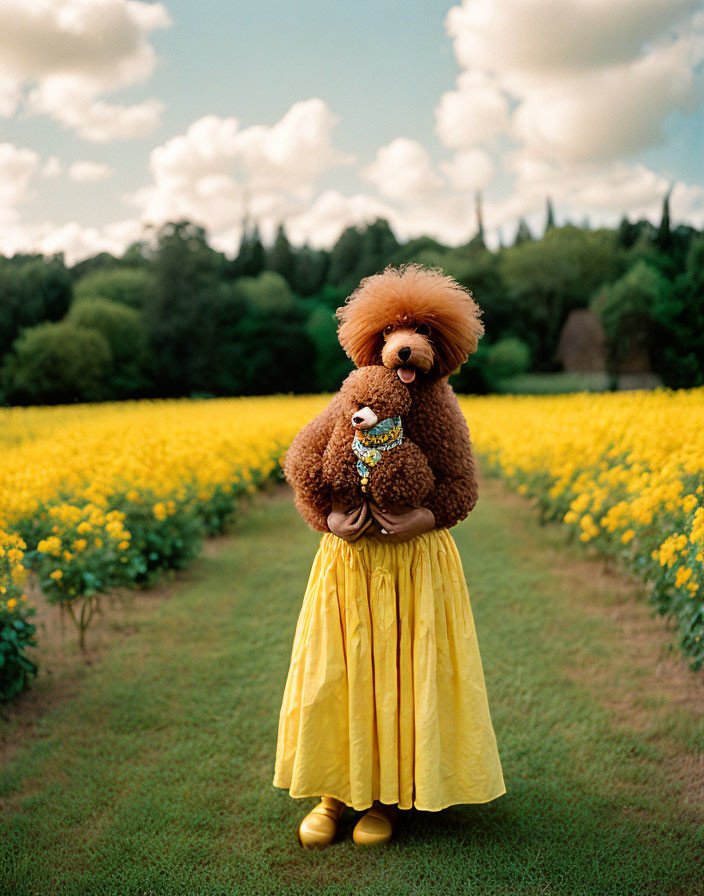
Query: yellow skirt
{"points": [[385, 696]]}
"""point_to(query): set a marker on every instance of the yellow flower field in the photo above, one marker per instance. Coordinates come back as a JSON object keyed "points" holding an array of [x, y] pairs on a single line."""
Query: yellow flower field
{"points": [[623, 470], [105, 493]]}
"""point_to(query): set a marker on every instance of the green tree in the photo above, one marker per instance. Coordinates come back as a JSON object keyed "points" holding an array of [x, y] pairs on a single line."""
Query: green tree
{"points": [[628, 312], [281, 258], [57, 363], [523, 234], [310, 268], [346, 257], [416, 249], [280, 354], [664, 237], [678, 349], [331, 363], [188, 274], [477, 242], [103, 261], [506, 358], [546, 279], [32, 290], [124, 332], [550, 215], [251, 258], [128, 285], [379, 245], [269, 293]]}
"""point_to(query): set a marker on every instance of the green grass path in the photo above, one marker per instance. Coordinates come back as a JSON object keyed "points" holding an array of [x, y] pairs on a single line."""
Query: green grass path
{"points": [[154, 777]]}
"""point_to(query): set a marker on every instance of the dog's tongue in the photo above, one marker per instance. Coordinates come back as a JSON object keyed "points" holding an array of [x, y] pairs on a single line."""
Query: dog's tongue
{"points": [[406, 374]]}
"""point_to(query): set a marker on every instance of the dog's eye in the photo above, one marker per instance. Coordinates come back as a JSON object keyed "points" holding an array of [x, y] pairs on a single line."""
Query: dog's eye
{"points": [[423, 330], [388, 330]]}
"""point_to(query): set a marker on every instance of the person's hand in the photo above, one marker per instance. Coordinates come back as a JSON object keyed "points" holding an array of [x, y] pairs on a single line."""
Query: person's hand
{"points": [[349, 524], [401, 525]]}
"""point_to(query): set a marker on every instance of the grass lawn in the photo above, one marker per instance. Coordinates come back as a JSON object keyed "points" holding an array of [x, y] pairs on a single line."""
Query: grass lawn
{"points": [[151, 774]]}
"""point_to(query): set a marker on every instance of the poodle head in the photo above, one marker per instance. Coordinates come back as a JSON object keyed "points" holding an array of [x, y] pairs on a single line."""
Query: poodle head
{"points": [[372, 394], [415, 321]]}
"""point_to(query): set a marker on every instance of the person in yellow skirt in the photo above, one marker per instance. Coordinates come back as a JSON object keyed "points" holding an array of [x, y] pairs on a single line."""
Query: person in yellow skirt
{"points": [[385, 704]]}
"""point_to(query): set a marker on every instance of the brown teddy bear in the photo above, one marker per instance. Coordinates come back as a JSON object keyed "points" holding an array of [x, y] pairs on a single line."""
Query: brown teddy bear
{"points": [[368, 453], [421, 325]]}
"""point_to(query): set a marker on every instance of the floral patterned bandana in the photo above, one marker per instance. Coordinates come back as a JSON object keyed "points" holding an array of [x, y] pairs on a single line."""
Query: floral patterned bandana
{"points": [[369, 444]]}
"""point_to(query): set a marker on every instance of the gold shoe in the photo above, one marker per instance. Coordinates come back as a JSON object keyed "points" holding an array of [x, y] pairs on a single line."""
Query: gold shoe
{"points": [[319, 826], [376, 826]]}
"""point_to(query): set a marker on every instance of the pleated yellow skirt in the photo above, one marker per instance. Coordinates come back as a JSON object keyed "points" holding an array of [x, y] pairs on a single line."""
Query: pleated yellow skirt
{"points": [[385, 696]]}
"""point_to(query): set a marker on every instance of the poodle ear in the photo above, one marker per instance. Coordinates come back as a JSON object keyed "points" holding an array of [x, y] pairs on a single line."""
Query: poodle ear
{"points": [[359, 338]]}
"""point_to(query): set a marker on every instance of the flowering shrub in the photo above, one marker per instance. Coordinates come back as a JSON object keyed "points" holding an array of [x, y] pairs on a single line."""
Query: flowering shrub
{"points": [[111, 494], [624, 471], [16, 632]]}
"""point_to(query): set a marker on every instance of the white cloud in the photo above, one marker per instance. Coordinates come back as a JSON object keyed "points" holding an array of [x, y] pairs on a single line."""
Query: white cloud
{"points": [[89, 172], [322, 223], [17, 168], [470, 169], [545, 37], [402, 170], [605, 114], [60, 57], [472, 114], [585, 80], [52, 168], [77, 242], [216, 172]]}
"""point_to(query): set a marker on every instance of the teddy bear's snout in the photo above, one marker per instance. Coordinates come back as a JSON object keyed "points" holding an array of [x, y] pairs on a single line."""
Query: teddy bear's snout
{"points": [[364, 418]]}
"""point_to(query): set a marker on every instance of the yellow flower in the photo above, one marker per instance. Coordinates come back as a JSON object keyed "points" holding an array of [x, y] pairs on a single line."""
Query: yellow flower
{"points": [[123, 545], [628, 535], [684, 574], [57, 575], [11, 604], [689, 502], [79, 545]]}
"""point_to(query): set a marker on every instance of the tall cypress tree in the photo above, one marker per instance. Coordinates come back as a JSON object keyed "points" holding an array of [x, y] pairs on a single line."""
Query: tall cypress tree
{"points": [[663, 239], [549, 215], [281, 258]]}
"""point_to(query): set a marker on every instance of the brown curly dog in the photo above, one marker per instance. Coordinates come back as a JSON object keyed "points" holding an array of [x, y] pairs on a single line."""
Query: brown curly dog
{"points": [[368, 452], [421, 325]]}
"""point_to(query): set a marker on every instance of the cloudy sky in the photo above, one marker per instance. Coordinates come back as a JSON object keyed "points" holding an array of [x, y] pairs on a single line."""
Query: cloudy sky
{"points": [[116, 114]]}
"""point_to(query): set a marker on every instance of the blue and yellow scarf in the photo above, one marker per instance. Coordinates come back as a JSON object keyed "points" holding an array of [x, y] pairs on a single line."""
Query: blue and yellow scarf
{"points": [[369, 444]]}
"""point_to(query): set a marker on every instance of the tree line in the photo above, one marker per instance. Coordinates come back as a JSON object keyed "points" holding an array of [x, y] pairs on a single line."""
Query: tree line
{"points": [[175, 317]]}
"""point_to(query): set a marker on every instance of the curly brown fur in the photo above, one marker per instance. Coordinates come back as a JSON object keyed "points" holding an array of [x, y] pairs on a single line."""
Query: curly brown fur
{"points": [[402, 478], [404, 301]]}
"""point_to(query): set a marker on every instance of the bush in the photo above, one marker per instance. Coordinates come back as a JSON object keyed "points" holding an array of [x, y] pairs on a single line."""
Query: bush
{"points": [[57, 364], [16, 632], [128, 286], [508, 357], [627, 310], [123, 329]]}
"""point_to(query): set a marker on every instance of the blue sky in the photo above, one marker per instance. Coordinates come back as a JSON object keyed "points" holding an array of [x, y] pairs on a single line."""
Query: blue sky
{"points": [[116, 114]]}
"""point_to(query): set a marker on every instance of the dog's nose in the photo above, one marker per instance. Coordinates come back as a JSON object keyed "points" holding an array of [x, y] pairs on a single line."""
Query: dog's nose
{"points": [[404, 353]]}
